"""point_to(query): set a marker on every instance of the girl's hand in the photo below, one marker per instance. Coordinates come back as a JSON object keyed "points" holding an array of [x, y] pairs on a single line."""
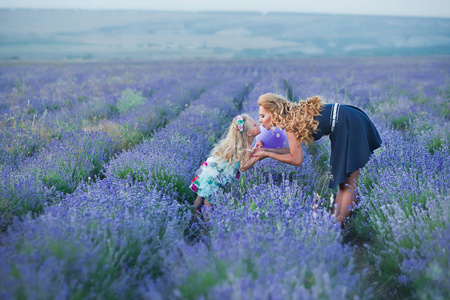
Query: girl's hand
{"points": [[258, 145], [260, 154]]}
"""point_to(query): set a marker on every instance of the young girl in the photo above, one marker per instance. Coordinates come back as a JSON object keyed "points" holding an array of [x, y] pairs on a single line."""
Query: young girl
{"points": [[231, 155], [352, 134]]}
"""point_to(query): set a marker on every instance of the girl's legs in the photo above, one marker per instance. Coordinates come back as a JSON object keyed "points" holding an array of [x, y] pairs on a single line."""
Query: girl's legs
{"points": [[198, 203], [209, 207], [208, 204], [196, 228], [346, 197]]}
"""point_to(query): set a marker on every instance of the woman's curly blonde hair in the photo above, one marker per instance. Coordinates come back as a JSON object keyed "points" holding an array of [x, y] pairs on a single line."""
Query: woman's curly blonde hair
{"points": [[294, 117]]}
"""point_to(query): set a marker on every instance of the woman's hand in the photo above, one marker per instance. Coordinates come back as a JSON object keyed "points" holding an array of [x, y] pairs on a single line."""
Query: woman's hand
{"points": [[260, 154]]}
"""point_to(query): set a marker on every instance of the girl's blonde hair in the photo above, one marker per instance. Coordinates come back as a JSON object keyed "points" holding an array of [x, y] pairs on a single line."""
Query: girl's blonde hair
{"points": [[232, 147], [294, 117]]}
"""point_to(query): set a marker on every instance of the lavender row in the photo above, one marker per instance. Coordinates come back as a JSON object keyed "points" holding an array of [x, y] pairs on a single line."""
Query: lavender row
{"points": [[269, 243], [100, 243], [399, 240], [403, 214], [135, 219], [132, 225], [409, 171], [109, 238], [78, 156], [50, 107]]}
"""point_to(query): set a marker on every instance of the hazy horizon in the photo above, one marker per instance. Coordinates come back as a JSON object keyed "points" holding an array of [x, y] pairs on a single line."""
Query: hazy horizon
{"points": [[406, 8], [221, 11], [27, 34]]}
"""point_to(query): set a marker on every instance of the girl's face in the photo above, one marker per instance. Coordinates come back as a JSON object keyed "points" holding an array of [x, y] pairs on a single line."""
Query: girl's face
{"points": [[254, 128], [265, 118]]}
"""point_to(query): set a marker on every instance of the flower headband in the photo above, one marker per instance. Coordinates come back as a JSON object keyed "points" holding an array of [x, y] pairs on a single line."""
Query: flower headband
{"points": [[240, 123]]}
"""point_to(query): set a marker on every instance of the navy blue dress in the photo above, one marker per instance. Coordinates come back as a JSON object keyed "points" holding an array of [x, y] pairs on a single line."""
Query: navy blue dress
{"points": [[353, 140]]}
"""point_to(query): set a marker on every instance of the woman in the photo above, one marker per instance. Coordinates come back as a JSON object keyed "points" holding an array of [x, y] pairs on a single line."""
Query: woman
{"points": [[353, 139]]}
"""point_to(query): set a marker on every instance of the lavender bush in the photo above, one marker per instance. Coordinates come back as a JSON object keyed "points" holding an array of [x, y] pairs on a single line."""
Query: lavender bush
{"points": [[403, 202], [271, 246], [74, 136], [89, 203], [99, 243]]}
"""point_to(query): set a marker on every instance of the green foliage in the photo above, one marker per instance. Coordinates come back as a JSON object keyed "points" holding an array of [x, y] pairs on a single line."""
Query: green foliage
{"points": [[113, 109], [126, 137], [447, 92], [200, 281], [401, 123], [320, 152], [53, 179], [137, 174], [358, 229], [420, 99], [309, 279], [444, 108], [172, 183], [129, 100], [22, 195], [20, 87]]}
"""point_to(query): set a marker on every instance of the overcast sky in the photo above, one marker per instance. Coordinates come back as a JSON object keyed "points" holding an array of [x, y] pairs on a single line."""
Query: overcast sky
{"points": [[424, 8]]}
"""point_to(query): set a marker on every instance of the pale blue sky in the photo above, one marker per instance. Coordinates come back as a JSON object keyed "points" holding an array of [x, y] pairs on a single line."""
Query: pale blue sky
{"points": [[423, 8]]}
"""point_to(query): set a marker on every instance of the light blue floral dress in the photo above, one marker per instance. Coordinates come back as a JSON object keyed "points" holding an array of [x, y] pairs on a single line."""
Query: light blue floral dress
{"points": [[213, 174]]}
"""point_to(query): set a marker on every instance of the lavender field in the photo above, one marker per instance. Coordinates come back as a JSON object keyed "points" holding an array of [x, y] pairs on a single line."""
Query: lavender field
{"points": [[96, 159]]}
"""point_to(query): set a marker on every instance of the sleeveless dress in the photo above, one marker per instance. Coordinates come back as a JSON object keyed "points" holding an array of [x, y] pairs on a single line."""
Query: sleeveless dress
{"points": [[353, 139], [211, 175]]}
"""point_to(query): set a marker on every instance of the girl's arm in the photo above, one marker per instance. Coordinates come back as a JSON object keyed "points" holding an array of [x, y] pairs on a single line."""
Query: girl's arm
{"points": [[249, 160], [293, 157]]}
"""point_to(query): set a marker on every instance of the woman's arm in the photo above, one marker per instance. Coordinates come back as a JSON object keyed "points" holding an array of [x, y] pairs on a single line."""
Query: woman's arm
{"points": [[293, 157], [277, 150]]}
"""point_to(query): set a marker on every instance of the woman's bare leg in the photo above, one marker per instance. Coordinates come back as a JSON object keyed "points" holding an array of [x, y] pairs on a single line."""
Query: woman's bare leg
{"points": [[346, 197]]}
